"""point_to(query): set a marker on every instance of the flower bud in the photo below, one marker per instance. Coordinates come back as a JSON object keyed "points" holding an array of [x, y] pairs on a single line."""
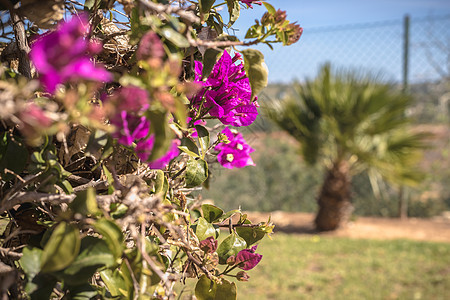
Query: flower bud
{"points": [[242, 276], [231, 261]]}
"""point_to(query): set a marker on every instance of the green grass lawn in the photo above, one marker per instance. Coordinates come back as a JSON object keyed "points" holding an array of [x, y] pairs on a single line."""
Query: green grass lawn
{"points": [[313, 267]]}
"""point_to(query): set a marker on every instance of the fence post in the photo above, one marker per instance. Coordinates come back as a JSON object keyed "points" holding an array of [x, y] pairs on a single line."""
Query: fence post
{"points": [[405, 51], [402, 198]]}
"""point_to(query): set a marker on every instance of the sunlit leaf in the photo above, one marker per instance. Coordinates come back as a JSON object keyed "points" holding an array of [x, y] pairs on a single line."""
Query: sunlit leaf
{"points": [[211, 213], [203, 139], [207, 289], [94, 254], [61, 249], [231, 245], [85, 202], [112, 234], [175, 37], [209, 60], [204, 229], [256, 70], [234, 10], [196, 172]]}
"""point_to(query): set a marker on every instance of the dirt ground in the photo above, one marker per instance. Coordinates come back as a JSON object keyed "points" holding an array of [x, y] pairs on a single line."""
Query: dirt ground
{"points": [[436, 229]]}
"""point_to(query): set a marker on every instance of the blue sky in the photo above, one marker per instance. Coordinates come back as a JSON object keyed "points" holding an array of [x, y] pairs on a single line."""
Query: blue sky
{"points": [[338, 12], [312, 15]]}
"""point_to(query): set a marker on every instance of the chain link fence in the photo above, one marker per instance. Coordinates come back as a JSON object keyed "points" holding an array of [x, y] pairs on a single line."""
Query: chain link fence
{"points": [[376, 47]]}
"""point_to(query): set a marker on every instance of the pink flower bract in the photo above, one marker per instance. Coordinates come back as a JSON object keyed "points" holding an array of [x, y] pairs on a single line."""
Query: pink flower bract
{"points": [[250, 2], [226, 93], [63, 55], [247, 259], [236, 153]]}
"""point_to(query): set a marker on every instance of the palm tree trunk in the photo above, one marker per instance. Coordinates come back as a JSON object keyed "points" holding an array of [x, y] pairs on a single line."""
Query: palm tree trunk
{"points": [[334, 199]]}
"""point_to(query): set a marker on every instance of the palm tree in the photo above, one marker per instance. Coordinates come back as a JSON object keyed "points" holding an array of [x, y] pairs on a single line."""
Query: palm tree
{"points": [[350, 123]]}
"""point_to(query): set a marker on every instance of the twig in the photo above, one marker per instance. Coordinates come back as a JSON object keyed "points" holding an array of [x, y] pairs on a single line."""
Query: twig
{"points": [[98, 185], [22, 45], [36, 197], [168, 9], [10, 253]]}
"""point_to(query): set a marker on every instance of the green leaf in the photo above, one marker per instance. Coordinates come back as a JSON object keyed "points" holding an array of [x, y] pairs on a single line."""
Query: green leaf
{"points": [[90, 4], [207, 289], [66, 186], [203, 139], [14, 156], [100, 141], [196, 172], [38, 285], [205, 5], [226, 290], [228, 215], [189, 147], [82, 292], [94, 254], [204, 229], [112, 235], [163, 134], [61, 249], [270, 8], [256, 70], [161, 184], [231, 245], [209, 60], [250, 235], [211, 213], [175, 37], [31, 261], [85, 202], [234, 10], [115, 282]]}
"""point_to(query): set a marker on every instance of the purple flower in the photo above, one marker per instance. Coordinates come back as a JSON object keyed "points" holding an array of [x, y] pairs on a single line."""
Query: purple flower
{"points": [[236, 153], [130, 127], [130, 98], [250, 2], [247, 259], [144, 149], [63, 55], [150, 47], [226, 93], [209, 245]]}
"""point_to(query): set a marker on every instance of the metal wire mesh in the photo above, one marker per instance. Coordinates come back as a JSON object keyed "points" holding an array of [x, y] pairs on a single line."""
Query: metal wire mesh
{"points": [[375, 47]]}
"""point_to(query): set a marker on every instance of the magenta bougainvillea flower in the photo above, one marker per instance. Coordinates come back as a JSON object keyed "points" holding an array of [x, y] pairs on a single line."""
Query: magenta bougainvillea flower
{"points": [[64, 55], [144, 150], [33, 120], [235, 153], [226, 93], [209, 245], [250, 2], [129, 127], [130, 98], [150, 47], [247, 259]]}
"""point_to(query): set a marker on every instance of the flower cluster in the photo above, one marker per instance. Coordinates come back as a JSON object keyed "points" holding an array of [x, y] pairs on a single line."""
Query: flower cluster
{"points": [[235, 152], [132, 126], [226, 93], [63, 55]]}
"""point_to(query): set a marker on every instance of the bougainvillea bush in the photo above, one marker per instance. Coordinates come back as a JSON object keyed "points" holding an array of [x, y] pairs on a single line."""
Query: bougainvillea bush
{"points": [[111, 114]]}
